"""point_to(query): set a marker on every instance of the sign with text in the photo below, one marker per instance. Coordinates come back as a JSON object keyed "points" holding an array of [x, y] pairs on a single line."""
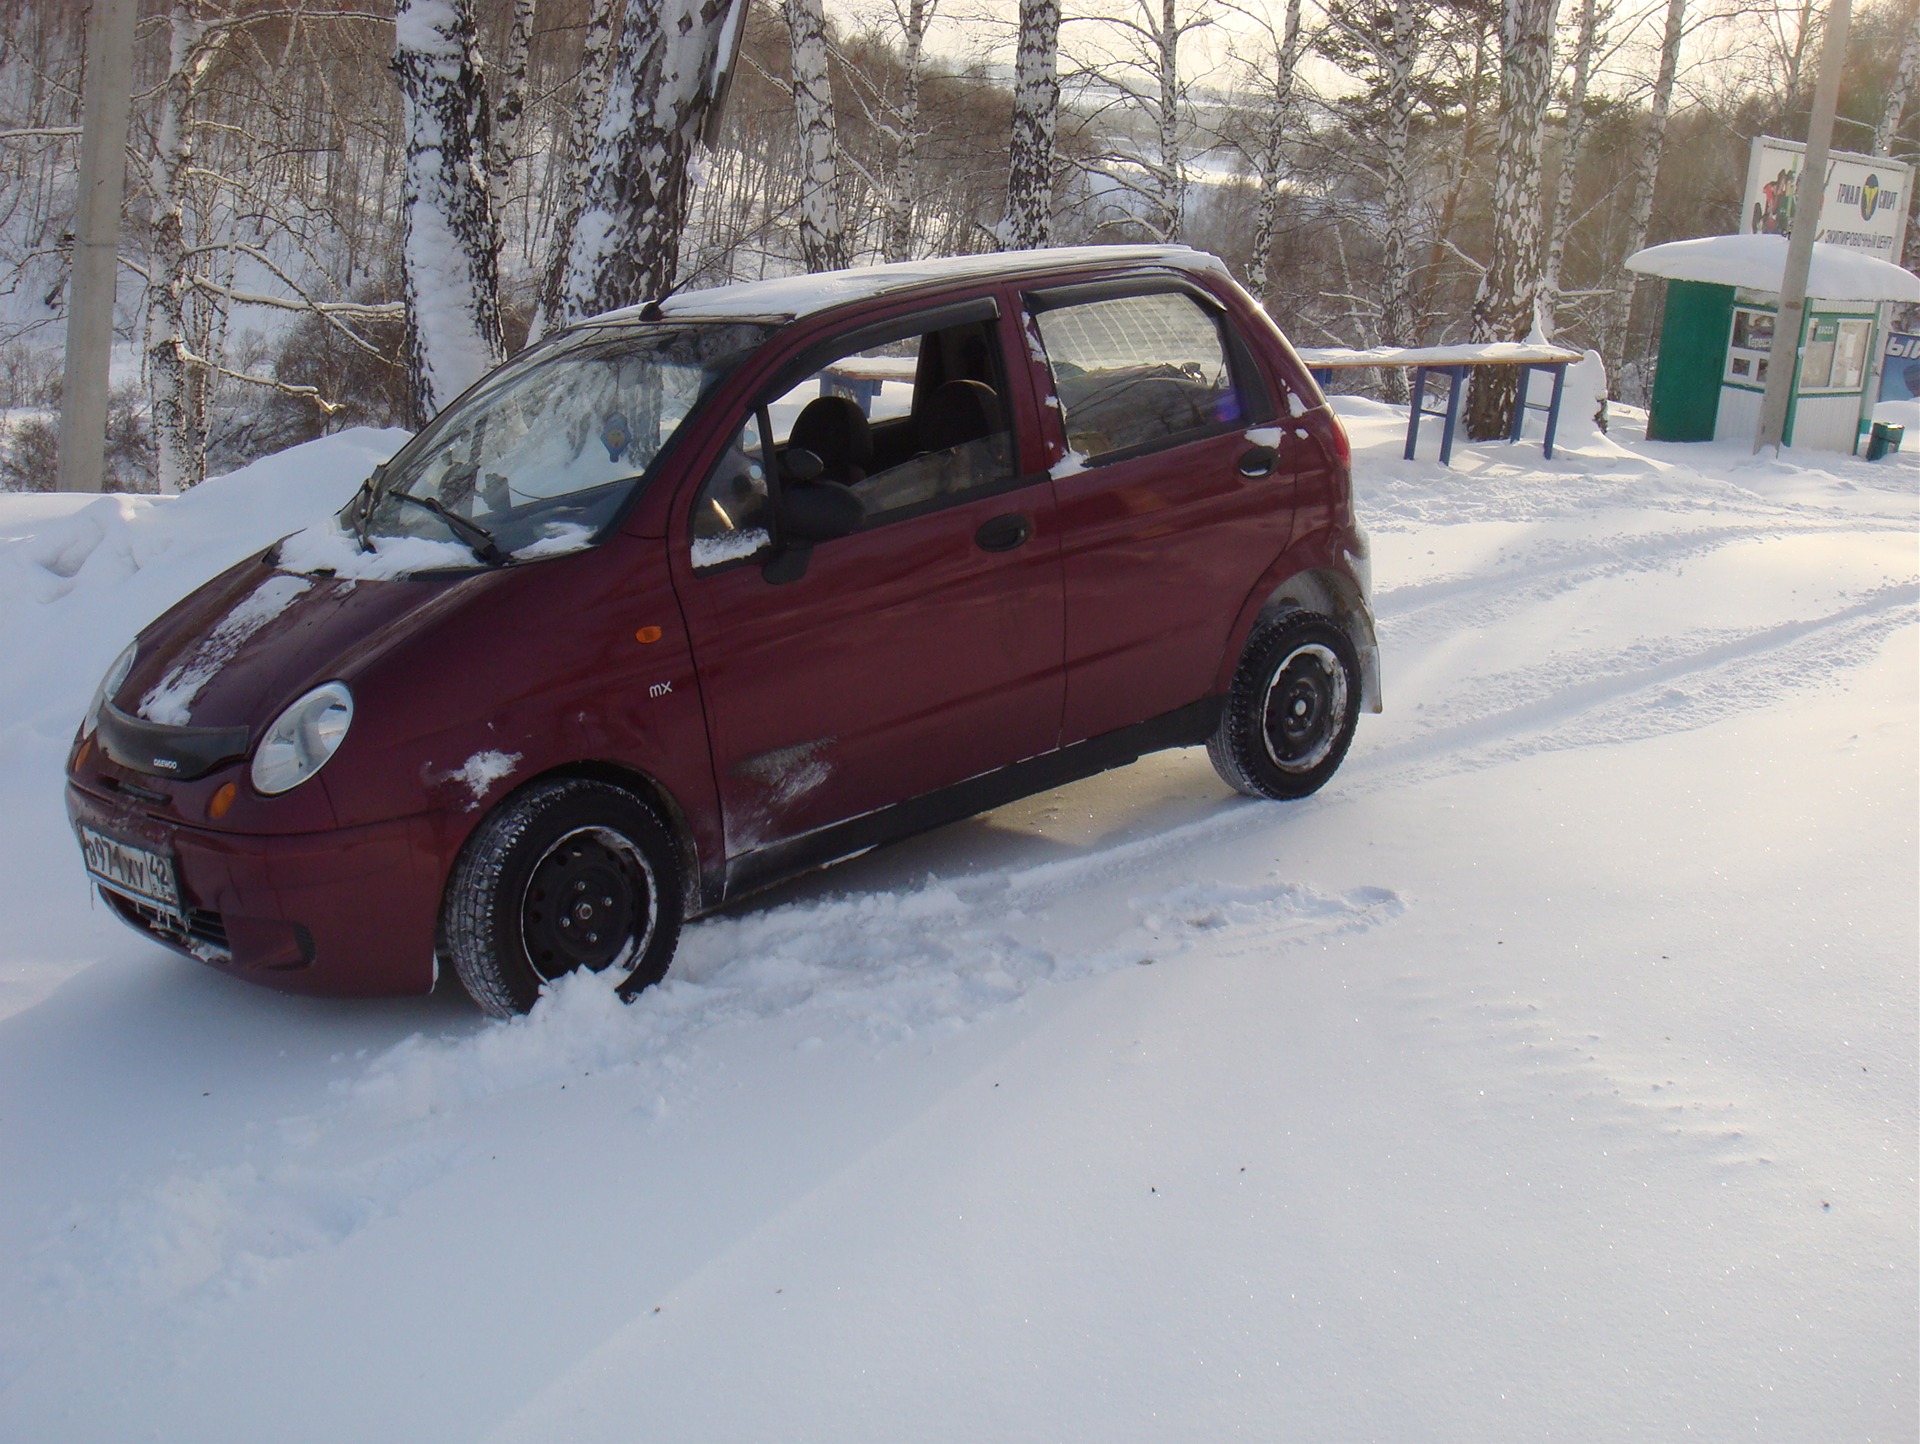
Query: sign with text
{"points": [[1865, 207], [1900, 380]]}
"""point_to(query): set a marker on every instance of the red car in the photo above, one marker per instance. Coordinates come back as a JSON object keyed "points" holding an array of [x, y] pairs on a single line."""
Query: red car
{"points": [[693, 597]]}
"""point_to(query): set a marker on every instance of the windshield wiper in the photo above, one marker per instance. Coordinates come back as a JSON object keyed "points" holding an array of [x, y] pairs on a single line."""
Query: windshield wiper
{"points": [[364, 503], [469, 531]]}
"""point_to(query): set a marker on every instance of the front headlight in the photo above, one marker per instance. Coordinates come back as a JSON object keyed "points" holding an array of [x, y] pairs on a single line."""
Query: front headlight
{"points": [[302, 738], [115, 679]]}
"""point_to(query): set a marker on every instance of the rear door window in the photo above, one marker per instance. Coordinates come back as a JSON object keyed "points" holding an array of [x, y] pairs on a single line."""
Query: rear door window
{"points": [[1136, 372]]}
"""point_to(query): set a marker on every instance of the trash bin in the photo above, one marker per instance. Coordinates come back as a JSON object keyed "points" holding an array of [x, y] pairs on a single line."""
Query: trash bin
{"points": [[1885, 436]]}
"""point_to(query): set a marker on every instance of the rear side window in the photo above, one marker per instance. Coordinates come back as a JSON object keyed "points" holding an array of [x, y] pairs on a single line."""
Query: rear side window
{"points": [[1136, 372]]}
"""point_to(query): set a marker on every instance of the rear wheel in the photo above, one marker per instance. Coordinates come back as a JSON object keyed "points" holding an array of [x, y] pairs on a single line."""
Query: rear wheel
{"points": [[565, 875], [1291, 710]]}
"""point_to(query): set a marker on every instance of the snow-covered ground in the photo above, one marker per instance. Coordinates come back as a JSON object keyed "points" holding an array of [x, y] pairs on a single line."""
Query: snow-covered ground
{"points": [[1550, 1075]]}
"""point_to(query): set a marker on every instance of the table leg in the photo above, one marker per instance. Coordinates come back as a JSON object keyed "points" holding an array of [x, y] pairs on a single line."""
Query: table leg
{"points": [[1553, 406], [1456, 378], [1413, 411]]}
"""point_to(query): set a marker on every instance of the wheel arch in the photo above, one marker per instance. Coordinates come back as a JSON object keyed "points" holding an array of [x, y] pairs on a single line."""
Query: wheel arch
{"points": [[1307, 579], [696, 894], [1333, 594]]}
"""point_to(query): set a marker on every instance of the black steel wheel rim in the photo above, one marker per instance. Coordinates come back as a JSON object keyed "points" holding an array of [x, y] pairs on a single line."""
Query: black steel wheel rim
{"points": [[590, 902], [1306, 706]]}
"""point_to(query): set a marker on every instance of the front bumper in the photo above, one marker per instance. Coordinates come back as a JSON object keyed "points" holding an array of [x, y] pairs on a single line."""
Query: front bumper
{"points": [[348, 912]]}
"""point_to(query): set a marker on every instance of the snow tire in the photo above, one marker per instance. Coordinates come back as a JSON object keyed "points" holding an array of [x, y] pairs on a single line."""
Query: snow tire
{"points": [[1291, 710], [563, 875]]}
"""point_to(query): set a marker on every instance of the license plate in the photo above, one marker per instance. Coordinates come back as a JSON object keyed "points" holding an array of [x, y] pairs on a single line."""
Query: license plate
{"points": [[128, 869]]}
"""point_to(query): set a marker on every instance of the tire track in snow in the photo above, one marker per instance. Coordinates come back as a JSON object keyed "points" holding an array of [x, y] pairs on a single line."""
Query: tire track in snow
{"points": [[873, 970], [1718, 669], [1550, 567]]}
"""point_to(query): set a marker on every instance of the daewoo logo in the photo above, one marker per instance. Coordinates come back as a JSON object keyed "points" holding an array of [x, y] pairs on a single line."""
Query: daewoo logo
{"points": [[1869, 197]]}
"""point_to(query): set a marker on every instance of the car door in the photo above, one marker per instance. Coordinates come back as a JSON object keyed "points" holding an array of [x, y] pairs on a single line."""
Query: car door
{"points": [[919, 651], [1174, 492]]}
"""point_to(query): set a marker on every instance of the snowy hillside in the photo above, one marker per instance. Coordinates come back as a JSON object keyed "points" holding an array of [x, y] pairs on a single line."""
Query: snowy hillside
{"points": [[1550, 1075]]}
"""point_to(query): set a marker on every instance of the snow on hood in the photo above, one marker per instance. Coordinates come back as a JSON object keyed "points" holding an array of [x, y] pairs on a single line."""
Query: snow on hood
{"points": [[170, 700], [1758, 263]]}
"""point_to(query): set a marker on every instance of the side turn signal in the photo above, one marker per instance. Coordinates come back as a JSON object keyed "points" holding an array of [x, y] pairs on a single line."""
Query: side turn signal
{"points": [[647, 634]]}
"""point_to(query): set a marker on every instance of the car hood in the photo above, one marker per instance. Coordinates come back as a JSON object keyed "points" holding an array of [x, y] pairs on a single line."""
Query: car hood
{"points": [[233, 653]]}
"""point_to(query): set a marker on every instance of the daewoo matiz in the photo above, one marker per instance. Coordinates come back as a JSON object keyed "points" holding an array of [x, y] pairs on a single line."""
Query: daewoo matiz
{"points": [[692, 597]]}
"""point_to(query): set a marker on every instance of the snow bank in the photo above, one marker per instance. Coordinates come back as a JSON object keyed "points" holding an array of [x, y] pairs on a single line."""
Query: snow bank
{"points": [[75, 588], [1362, 1100]]}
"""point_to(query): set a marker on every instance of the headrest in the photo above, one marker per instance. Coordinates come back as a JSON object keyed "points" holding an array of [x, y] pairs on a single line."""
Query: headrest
{"points": [[959, 412], [834, 429]]}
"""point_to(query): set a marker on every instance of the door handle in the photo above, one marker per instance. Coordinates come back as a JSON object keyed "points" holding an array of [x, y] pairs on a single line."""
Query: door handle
{"points": [[1257, 462], [1003, 533]]}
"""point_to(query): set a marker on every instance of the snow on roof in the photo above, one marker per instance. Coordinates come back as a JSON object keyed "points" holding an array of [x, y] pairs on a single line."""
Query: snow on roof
{"points": [[1759, 262], [803, 295]]}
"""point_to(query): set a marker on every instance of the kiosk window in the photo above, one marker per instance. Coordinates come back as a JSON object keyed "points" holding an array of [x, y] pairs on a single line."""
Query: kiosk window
{"points": [[1747, 352]]}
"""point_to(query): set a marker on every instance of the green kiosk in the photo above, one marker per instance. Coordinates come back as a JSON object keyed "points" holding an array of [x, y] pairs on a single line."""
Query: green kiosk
{"points": [[1717, 330]]}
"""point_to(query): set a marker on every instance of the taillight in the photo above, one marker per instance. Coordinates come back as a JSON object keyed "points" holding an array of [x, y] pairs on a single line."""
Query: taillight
{"points": [[1339, 448]]}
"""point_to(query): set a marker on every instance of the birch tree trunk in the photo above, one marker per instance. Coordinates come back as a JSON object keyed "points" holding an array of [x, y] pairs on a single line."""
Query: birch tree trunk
{"points": [[1572, 146], [1653, 142], [596, 55], [508, 112], [1172, 177], [1396, 308], [1503, 310], [626, 245], [1459, 170], [179, 443], [452, 246], [903, 185], [823, 243], [1036, 108], [1900, 88], [1276, 123]]}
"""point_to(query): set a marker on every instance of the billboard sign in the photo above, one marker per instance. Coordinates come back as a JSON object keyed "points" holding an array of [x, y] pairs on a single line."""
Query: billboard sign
{"points": [[1866, 202], [1900, 381]]}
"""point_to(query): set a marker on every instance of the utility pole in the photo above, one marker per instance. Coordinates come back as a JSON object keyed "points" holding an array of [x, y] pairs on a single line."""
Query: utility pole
{"points": [[108, 97], [1782, 361]]}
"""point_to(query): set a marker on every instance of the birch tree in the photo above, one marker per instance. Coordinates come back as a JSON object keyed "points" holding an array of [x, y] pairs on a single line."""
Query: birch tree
{"points": [[589, 101], [174, 387], [509, 109], [1653, 142], [626, 244], [823, 242], [1036, 109], [1504, 309], [1572, 147], [1403, 54], [1900, 88], [1145, 75], [452, 239], [1269, 128]]}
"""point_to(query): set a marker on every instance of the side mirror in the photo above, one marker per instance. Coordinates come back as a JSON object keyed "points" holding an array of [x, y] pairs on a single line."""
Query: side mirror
{"points": [[818, 512], [806, 515]]}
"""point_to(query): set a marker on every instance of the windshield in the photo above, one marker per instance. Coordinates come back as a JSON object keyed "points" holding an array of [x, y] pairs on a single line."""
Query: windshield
{"points": [[547, 450]]}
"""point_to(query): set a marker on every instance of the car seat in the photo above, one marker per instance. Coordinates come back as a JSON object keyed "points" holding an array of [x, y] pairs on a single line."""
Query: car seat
{"points": [[956, 413], [834, 429]]}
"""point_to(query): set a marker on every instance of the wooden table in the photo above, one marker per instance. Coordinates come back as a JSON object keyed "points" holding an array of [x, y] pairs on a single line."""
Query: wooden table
{"points": [[1453, 362], [859, 378]]}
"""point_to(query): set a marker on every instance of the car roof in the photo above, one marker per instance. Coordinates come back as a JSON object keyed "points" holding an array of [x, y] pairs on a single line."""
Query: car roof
{"points": [[788, 297]]}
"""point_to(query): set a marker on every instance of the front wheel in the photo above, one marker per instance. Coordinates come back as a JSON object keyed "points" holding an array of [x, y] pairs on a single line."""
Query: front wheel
{"points": [[565, 875], [1291, 711]]}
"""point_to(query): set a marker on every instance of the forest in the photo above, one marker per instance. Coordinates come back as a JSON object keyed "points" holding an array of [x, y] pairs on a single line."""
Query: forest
{"points": [[339, 215]]}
